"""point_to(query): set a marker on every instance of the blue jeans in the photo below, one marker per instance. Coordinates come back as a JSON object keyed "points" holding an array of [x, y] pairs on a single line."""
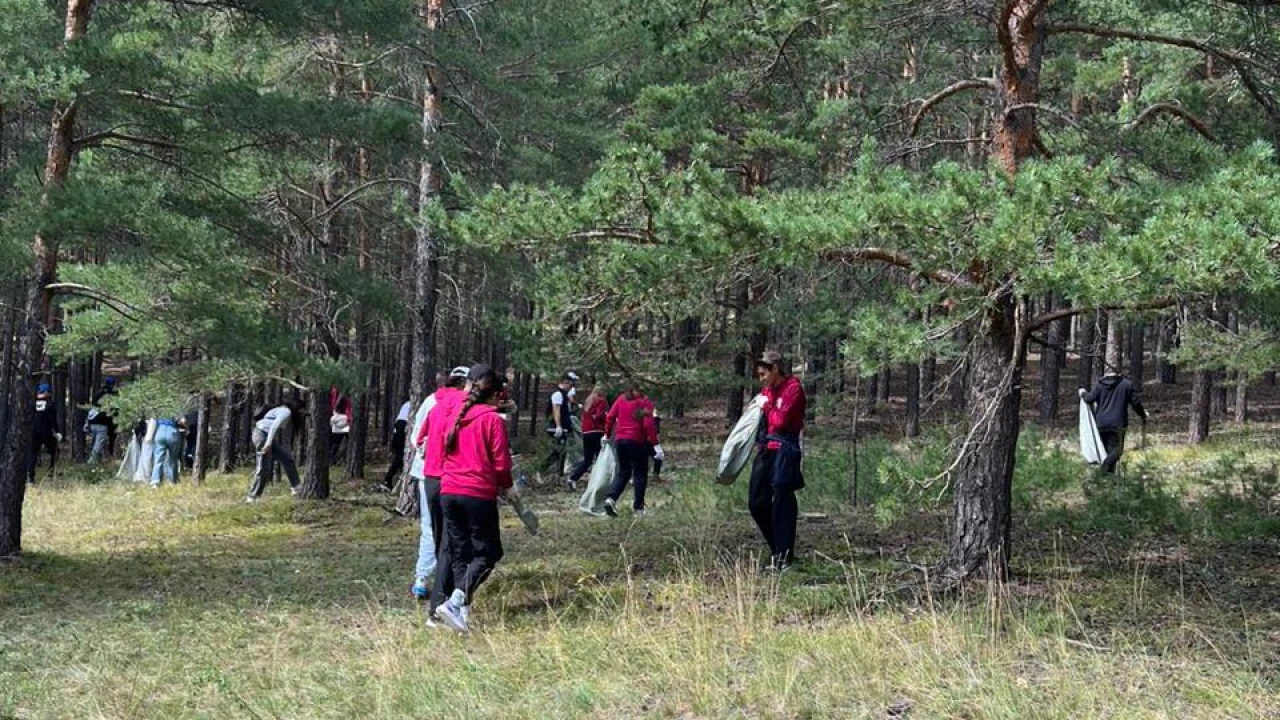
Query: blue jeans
{"points": [[166, 454], [99, 433]]}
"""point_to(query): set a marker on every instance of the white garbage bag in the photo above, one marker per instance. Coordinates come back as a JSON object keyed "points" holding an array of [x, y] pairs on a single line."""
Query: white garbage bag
{"points": [[602, 472], [741, 441], [1090, 441]]}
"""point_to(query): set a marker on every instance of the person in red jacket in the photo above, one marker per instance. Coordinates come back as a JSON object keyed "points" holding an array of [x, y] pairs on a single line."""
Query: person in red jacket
{"points": [[593, 420], [775, 474], [476, 472], [635, 436]]}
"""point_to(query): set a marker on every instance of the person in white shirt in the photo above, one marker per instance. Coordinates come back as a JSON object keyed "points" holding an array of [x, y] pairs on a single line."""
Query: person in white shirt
{"points": [[273, 442]]}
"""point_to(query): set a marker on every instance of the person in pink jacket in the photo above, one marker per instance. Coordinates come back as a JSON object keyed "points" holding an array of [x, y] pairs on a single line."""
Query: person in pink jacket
{"points": [[476, 471], [635, 436]]}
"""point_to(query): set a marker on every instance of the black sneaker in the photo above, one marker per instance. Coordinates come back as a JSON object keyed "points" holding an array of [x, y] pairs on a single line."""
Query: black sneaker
{"points": [[609, 509]]}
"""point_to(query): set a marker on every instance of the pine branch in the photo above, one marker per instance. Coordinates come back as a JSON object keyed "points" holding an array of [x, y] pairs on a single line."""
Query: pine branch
{"points": [[957, 87], [1171, 109], [889, 257]]}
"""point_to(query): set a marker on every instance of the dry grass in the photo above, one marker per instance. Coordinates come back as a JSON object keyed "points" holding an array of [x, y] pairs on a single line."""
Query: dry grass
{"points": [[185, 602]]}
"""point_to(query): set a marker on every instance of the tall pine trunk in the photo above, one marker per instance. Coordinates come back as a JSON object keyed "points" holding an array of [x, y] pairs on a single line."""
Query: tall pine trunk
{"points": [[981, 516], [200, 464], [428, 245], [315, 481], [230, 423], [38, 302], [1201, 411], [1050, 368]]}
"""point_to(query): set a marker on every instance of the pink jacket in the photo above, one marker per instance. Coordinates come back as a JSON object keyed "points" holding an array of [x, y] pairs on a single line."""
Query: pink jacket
{"points": [[480, 465], [431, 436], [632, 420]]}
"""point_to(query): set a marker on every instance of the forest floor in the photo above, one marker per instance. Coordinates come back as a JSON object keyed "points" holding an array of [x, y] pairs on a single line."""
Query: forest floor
{"points": [[186, 602]]}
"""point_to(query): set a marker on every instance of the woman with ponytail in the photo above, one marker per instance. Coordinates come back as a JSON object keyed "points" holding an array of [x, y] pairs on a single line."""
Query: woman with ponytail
{"points": [[476, 472]]}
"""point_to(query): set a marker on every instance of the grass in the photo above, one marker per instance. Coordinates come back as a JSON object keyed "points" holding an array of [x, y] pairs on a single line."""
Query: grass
{"points": [[185, 602]]}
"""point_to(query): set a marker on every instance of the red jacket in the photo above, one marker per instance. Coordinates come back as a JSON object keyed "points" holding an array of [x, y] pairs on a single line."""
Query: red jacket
{"points": [[784, 409], [632, 420], [480, 465], [432, 433], [593, 415]]}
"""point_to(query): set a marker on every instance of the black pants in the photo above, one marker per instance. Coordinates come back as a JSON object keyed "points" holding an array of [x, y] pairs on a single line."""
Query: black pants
{"points": [[590, 450], [189, 449], [336, 441], [444, 583], [45, 440], [280, 453], [774, 509], [633, 465], [657, 466], [555, 458], [397, 456], [1113, 443], [474, 539]]}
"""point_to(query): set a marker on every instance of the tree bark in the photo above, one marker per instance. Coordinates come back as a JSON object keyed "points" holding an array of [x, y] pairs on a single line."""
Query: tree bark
{"points": [[428, 245], [981, 518], [200, 464], [230, 422], [1242, 399], [1085, 346], [958, 381], [1168, 342], [315, 481], [1201, 390], [734, 401], [35, 318], [1137, 353], [912, 428], [1050, 368]]}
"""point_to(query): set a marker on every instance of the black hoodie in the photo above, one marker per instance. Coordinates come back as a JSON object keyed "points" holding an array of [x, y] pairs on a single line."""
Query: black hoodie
{"points": [[1111, 399]]}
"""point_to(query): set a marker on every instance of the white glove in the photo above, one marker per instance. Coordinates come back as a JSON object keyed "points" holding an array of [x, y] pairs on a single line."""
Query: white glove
{"points": [[559, 433], [1082, 392], [58, 437], [658, 454], [760, 401]]}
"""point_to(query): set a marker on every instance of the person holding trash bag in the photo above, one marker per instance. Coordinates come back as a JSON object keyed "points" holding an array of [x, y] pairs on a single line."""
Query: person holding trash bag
{"points": [[477, 471], [1111, 399], [775, 474], [594, 411], [635, 439]]}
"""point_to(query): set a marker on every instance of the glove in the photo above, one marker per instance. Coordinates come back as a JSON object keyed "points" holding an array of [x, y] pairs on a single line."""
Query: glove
{"points": [[559, 433], [58, 437], [658, 454], [1082, 392], [760, 401]]}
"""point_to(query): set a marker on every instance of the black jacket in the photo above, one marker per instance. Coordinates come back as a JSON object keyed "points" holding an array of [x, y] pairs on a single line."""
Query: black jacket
{"points": [[1111, 399]]}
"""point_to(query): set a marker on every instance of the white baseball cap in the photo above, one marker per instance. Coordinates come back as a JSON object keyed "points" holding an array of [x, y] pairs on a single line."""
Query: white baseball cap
{"points": [[460, 372]]}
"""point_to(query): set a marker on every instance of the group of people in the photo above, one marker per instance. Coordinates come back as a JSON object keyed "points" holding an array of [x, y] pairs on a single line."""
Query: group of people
{"points": [[156, 450]]}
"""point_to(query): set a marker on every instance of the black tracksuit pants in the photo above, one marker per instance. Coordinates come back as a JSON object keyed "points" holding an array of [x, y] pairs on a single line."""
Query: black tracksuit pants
{"points": [[774, 509], [474, 539]]}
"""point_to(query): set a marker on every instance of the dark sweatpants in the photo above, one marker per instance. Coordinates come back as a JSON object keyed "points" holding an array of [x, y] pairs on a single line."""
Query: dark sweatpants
{"points": [[590, 450], [1113, 443], [774, 509], [633, 465], [397, 456], [474, 539], [443, 586], [43, 441]]}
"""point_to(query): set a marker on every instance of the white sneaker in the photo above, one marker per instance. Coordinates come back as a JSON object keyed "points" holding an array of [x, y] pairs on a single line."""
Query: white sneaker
{"points": [[452, 616], [251, 499], [639, 513], [609, 508]]}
